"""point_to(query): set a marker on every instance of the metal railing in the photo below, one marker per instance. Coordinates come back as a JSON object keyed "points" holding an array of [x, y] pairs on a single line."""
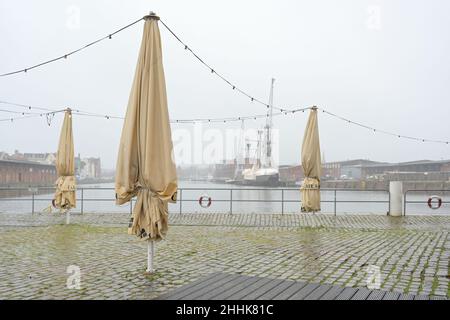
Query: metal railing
{"points": [[234, 197], [427, 192]]}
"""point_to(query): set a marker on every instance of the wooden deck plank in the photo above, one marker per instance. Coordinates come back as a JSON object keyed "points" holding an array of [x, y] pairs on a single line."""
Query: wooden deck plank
{"points": [[376, 295], [290, 291], [332, 293], [403, 296], [254, 286], [269, 295], [438, 298], [303, 292], [174, 294], [346, 294], [390, 295], [206, 289], [234, 281], [318, 292], [263, 289], [221, 286], [361, 294], [244, 284]]}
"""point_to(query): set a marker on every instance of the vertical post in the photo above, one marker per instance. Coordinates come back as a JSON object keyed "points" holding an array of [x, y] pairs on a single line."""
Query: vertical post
{"points": [[282, 201], [131, 206], [396, 198], [150, 255], [82, 197], [335, 211], [181, 201], [404, 203], [231, 201], [32, 202]]}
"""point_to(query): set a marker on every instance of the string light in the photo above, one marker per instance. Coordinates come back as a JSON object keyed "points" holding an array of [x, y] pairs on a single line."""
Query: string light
{"points": [[65, 56], [214, 70], [109, 36], [375, 130], [107, 116], [51, 112]]}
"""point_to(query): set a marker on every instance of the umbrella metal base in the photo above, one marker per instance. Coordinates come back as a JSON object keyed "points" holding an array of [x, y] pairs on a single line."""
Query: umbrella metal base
{"points": [[149, 273]]}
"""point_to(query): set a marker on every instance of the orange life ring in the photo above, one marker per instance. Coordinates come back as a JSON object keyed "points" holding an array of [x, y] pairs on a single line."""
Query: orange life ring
{"points": [[203, 199], [430, 202]]}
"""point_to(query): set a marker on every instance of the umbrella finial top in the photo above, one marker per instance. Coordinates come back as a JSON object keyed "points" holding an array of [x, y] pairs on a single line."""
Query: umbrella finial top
{"points": [[151, 15], [314, 107]]}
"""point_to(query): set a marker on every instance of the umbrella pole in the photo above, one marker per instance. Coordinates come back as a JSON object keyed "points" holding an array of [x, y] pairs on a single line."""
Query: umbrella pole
{"points": [[150, 255], [68, 217]]}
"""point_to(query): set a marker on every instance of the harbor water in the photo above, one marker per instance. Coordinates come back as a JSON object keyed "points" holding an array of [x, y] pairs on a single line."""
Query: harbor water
{"points": [[225, 198]]}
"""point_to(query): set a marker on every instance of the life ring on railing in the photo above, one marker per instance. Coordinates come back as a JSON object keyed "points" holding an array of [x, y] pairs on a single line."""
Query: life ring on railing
{"points": [[430, 202], [205, 201]]}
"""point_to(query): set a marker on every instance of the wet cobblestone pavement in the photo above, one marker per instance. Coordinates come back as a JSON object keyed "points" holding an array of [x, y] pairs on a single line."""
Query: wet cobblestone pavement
{"points": [[411, 252]]}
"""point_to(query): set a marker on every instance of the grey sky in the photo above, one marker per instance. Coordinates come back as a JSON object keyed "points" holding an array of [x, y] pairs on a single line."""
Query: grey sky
{"points": [[392, 73]]}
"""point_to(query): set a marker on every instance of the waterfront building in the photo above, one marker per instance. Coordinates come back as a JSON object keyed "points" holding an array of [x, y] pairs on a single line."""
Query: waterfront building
{"points": [[26, 173]]}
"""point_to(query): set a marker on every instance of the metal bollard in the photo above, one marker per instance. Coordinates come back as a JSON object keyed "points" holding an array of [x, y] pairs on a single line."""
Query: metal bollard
{"points": [[231, 201]]}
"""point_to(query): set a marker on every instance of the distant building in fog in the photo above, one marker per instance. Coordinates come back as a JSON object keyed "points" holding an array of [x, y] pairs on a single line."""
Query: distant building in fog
{"points": [[86, 168], [338, 169], [45, 158], [360, 169], [90, 168], [20, 172], [290, 174]]}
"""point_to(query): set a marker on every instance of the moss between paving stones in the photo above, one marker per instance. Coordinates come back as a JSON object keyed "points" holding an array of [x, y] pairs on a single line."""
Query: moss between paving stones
{"points": [[189, 253]]}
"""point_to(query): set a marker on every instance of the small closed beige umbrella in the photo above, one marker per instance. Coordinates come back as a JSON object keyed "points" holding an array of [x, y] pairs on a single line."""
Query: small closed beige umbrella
{"points": [[145, 167], [311, 163], [65, 167]]}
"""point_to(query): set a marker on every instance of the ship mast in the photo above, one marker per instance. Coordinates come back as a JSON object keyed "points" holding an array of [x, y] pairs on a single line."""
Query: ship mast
{"points": [[268, 155]]}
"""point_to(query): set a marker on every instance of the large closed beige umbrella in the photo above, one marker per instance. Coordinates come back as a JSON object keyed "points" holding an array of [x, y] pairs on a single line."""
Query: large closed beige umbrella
{"points": [[65, 167], [145, 167], [311, 164]]}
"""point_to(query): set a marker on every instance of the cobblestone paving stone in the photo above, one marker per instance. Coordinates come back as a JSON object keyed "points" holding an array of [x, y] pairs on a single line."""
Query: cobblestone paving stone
{"points": [[412, 253]]}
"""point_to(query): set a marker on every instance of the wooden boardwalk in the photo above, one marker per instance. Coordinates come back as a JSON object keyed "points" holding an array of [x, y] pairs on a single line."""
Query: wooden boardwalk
{"points": [[221, 286]]}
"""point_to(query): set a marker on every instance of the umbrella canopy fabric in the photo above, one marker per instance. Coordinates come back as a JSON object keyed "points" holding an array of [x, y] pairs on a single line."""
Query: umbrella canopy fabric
{"points": [[312, 168], [145, 167], [65, 167]]}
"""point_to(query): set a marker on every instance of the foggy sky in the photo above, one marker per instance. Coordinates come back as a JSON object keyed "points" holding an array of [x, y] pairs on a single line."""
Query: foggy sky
{"points": [[390, 71]]}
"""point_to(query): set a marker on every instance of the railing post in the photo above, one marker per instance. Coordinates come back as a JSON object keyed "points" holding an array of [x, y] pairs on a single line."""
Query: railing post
{"points": [[335, 191], [231, 201], [282, 201], [404, 202], [181, 200], [82, 197], [32, 202]]}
